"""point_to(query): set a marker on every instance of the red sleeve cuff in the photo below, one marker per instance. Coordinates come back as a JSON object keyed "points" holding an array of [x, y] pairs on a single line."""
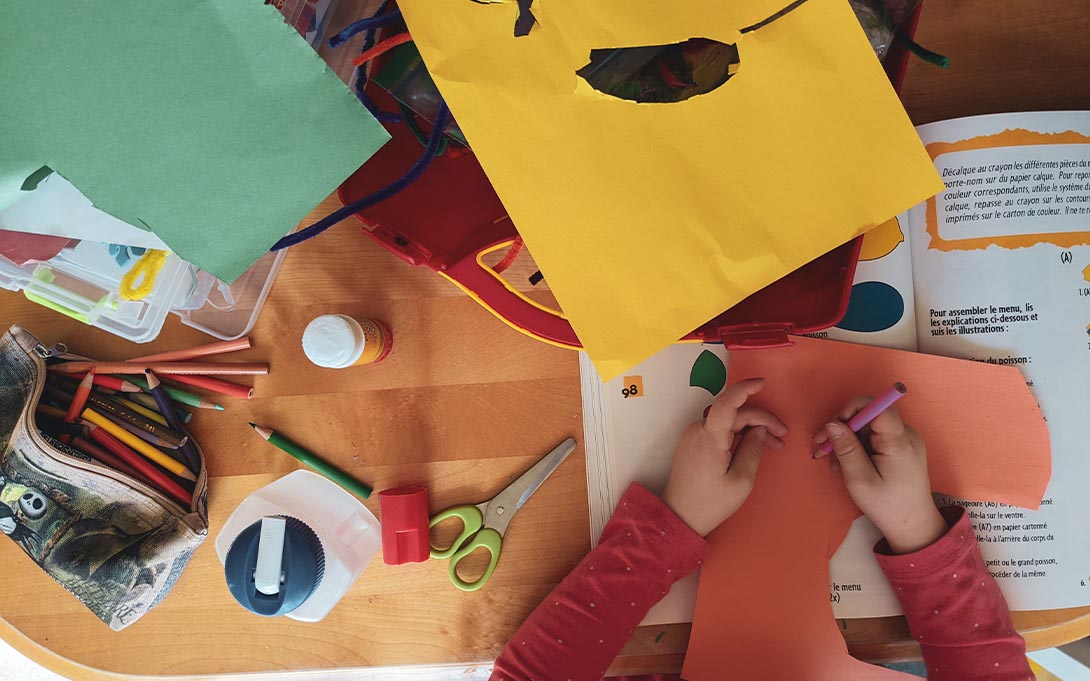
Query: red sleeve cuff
{"points": [[651, 521], [951, 548]]}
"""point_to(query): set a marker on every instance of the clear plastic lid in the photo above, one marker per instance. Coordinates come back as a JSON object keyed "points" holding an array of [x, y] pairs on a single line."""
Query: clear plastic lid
{"points": [[83, 282]]}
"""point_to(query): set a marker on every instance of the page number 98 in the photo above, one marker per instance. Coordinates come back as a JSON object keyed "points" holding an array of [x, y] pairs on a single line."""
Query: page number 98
{"points": [[633, 387]]}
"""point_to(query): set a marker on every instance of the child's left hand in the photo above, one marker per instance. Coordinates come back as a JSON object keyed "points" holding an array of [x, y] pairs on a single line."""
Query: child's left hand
{"points": [[708, 480]]}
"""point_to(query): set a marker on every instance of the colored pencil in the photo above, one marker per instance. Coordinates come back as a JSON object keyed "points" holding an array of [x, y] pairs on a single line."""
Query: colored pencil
{"points": [[216, 385], [161, 435], [53, 412], [869, 413], [325, 468], [145, 429], [181, 395], [148, 402], [160, 479], [106, 458], [150, 438], [160, 395], [79, 400], [139, 445], [209, 350], [115, 383], [168, 368], [111, 382], [143, 411]]}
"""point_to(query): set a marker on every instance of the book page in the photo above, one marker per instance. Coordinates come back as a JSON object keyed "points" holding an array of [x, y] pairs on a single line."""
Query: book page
{"points": [[633, 436], [1033, 269], [882, 312], [1002, 269]]}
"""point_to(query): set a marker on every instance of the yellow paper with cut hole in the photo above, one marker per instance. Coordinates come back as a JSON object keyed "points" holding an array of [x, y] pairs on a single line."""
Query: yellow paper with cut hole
{"points": [[649, 219]]}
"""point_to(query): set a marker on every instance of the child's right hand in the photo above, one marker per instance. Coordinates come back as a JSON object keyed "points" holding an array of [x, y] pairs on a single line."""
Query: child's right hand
{"points": [[887, 476]]}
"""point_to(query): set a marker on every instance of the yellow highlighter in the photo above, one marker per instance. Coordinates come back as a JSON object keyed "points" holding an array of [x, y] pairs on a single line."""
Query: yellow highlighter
{"points": [[139, 445]]}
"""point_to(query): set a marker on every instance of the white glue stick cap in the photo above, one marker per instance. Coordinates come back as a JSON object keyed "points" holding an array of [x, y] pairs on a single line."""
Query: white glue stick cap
{"points": [[334, 341]]}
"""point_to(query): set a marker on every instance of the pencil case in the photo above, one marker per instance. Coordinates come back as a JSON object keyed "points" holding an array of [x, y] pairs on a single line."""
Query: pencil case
{"points": [[115, 543]]}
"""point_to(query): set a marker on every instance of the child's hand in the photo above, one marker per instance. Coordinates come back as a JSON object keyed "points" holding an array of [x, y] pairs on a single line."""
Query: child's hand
{"points": [[887, 477], [709, 482]]}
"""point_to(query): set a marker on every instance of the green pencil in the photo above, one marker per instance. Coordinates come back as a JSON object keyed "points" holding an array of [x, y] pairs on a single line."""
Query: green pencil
{"points": [[146, 400], [178, 395], [327, 469]]}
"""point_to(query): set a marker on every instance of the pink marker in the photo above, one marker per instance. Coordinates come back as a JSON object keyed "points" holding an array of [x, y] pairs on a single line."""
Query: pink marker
{"points": [[870, 412]]}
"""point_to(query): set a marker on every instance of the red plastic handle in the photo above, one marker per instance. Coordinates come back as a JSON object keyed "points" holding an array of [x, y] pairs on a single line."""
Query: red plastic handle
{"points": [[491, 290]]}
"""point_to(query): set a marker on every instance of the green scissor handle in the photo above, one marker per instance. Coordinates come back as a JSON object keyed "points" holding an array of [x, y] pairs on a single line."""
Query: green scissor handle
{"points": [[472, 520], [474, 536], [485, 539]]}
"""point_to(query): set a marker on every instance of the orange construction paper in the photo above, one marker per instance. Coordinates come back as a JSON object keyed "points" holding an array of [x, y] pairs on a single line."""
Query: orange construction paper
{"points": [[763, 610]]}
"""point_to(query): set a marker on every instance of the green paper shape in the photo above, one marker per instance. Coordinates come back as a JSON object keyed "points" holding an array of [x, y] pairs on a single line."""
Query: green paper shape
{"points": [[708, 372], [210, 122]]}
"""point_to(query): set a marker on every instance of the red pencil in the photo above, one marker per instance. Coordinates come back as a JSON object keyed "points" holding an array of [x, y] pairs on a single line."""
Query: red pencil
{"points": [[111, 382], [80, 400], [115, 383], [216, 385], [104, 457], [160, 480]]}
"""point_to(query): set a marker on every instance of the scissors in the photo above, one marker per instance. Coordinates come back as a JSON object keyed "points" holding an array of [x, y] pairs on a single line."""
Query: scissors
{"points": [[485, 523]]}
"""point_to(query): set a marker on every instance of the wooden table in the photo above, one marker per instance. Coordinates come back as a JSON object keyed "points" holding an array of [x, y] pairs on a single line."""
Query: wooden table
{"points": [[463, 404]]}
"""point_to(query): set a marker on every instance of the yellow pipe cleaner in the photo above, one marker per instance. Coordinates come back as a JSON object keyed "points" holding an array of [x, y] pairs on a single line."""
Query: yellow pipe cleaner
{"points": [[140, 280]]}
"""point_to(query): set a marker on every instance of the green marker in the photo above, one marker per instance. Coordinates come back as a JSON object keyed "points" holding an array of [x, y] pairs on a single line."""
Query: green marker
{"points": [[327, 469]]}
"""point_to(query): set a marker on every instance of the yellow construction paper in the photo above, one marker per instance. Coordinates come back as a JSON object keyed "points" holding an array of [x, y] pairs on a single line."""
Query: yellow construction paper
{"points": [[649, 219]]}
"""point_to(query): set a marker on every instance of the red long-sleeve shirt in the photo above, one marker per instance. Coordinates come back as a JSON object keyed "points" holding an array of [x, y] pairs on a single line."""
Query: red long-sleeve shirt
{"points": [[953, 606]]}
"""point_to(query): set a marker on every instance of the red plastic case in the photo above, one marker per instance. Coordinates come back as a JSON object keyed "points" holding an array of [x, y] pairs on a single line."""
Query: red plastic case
{"points": [[450, 217], [405, 518]]}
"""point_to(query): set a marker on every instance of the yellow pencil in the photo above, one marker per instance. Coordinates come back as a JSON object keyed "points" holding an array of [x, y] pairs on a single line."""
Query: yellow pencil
{"points": [[142, 410], [139, 445]]}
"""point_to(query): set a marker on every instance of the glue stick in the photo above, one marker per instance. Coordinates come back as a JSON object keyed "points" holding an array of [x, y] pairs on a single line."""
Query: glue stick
{"points": [[337, 341]]}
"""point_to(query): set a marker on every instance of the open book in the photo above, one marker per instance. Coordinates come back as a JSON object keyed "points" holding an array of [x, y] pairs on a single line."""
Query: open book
{"points": [[995, 269]]}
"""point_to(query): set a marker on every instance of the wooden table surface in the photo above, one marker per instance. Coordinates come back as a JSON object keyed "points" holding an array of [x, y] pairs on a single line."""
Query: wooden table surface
{"points": [[462, 405]]}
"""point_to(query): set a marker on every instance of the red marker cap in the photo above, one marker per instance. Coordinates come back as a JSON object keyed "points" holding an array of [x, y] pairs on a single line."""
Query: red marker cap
{"points": [[405, 532]]}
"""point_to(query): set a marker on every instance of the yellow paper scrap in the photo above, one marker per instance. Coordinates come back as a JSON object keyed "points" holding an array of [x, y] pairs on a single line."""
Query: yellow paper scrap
{"points": [[649, 219]]}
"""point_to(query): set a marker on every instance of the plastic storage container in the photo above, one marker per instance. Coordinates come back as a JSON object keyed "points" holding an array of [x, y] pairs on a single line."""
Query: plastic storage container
{"points": [[349, 533], [82, 281]]}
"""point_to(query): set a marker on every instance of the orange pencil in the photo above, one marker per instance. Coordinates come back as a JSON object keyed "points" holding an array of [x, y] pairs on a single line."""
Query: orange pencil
{"points": [[167, 368], [209, 350], [216, 385], [80, 400]]}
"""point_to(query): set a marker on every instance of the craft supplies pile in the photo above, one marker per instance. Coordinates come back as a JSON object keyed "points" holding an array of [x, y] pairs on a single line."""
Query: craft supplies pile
{"points": [[713, 173], [553, 130]]}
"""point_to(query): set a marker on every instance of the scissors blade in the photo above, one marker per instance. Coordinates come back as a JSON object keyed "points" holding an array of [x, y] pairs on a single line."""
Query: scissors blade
{"points": [[503, 506]]}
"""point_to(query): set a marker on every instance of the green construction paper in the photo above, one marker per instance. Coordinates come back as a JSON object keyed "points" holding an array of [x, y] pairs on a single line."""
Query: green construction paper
{"points": [[16, 155], [210, 122]]}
